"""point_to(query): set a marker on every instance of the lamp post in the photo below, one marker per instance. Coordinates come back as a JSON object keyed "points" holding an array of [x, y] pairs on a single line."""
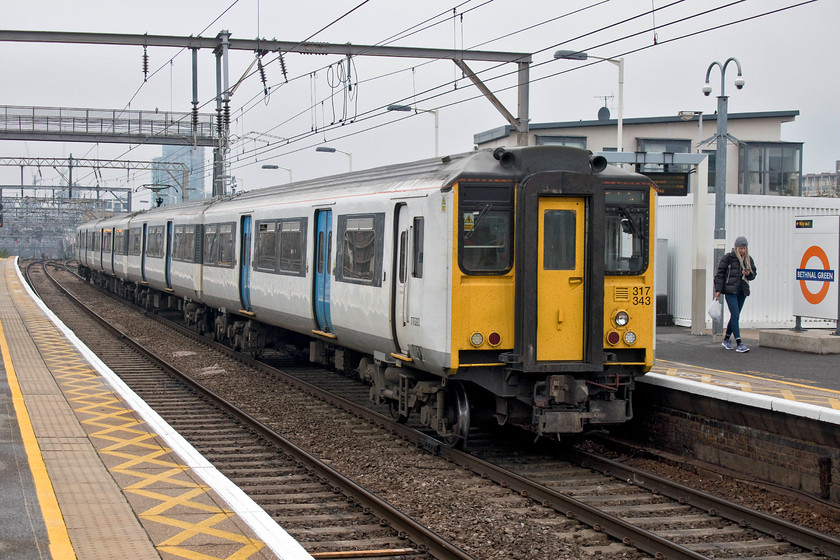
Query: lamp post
{"points": [[689, 115], [407, 108], [577, 55], [720, 162], [272, 166], [333, 150]]}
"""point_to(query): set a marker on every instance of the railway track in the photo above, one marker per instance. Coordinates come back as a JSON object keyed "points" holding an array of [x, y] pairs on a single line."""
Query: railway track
{"points": [[327, 513], [636, 509]]}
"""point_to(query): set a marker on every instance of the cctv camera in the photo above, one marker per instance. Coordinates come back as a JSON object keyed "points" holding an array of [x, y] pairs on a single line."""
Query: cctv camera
{"points": [[707, 89], [739, 82]]}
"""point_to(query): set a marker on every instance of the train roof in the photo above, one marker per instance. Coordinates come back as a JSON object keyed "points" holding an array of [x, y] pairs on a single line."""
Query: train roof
{"points": [[514, 164]]}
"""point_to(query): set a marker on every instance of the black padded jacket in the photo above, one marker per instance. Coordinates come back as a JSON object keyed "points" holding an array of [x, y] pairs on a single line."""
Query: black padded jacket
{"points": [[728, 276]]}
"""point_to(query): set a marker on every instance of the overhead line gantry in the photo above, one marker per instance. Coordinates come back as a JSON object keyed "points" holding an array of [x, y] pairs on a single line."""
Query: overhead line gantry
{"points": [[223, 43]]}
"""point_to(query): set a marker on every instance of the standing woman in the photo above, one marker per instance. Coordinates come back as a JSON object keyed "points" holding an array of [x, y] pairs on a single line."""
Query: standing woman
{"points": [[734, 272]]}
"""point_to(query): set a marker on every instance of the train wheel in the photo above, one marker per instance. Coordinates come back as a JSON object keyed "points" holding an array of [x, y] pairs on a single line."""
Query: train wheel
{"points": [[392, 408], [458, 413]]}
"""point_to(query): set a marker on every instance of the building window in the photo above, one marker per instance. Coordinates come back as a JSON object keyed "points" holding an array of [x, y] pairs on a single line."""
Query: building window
{"points": [[568, 141], [712, 157], [770, 168]]}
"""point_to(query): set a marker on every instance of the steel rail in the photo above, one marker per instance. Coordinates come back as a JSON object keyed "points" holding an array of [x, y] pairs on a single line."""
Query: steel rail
{"points": [[780, 529], [427, 540]]}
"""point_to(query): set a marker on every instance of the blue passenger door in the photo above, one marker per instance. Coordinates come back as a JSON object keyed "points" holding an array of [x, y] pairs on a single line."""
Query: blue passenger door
{"points": [[168, 256], [245, 265], [323, 263]]}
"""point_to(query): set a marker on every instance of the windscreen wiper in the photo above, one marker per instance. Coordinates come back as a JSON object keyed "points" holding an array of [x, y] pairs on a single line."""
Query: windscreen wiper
{"points": [[636, 231]]}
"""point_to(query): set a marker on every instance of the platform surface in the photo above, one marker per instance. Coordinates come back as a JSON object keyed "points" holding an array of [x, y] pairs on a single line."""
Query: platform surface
{"points": [[88, 472], [779, 374]]}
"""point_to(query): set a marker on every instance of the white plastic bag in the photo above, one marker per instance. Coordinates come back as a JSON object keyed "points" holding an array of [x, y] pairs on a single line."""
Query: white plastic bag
{"points": [[715, 310]]}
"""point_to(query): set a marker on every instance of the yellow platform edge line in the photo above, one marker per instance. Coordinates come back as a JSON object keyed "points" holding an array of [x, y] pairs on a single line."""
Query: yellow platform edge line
{"points": [[60, 546], [781, 381]]}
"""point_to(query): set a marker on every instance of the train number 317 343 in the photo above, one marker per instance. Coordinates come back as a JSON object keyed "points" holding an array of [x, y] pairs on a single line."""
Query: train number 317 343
{"points": [[641, 295]]}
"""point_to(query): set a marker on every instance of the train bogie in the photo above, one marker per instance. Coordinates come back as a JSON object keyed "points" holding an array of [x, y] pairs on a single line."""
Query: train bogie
{"points": [[512, 286]]}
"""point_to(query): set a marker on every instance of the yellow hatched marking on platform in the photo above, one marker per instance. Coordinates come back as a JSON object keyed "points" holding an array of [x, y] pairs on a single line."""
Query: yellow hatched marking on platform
{"points": [[89, 397]]}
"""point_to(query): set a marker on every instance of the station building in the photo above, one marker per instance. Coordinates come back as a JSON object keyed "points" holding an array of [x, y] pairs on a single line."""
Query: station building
{"points": [[765, 164]]}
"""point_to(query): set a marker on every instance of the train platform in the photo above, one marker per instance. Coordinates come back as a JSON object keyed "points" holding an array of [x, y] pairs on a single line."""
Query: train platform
{"points": [[787, 379], [88, 471]]}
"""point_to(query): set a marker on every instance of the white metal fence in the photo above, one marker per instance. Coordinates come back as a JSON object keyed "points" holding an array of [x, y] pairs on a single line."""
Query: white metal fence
{"points": [[768, 224]]}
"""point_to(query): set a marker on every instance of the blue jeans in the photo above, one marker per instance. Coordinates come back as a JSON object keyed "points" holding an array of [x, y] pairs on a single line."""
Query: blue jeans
{"points": [[735, 302]]}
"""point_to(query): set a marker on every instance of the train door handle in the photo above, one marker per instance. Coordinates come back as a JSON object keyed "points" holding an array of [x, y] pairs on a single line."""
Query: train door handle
{"points": [[575, 281]]}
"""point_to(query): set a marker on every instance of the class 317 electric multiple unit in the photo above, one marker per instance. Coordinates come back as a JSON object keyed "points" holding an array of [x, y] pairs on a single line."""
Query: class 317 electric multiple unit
{"points": [[511, 286]]}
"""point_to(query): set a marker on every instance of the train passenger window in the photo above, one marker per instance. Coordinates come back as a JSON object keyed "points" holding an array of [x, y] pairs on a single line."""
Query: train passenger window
{"points": [[266, 257], [211, 249], [359, 250], [189, 244], [320, 252], [178, 244], [329, 251], [119, 242], [226, 244], [418, 235], [402, 256], [359, 257], [135, 241], [107, 241], [155, 241], [292, 244], [559, 239]]}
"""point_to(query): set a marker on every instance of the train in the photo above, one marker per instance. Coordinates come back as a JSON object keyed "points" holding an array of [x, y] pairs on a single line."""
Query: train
{"points": [[509, 286]]}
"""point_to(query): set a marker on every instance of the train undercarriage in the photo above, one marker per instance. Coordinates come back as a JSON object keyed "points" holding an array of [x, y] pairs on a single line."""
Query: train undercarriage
{"points": [[549, 405]]}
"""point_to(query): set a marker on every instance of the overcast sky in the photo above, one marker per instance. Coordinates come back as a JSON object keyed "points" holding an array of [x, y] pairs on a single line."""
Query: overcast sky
{"points": [[788, 60]]}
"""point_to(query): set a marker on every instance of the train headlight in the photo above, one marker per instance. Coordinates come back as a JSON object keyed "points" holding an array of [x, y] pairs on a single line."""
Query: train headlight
{"points": [[630, 337], [476, 339], [621, 318]]}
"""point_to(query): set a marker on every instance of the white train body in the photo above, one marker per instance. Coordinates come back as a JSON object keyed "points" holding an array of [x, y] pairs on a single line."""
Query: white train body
{"points": [[379, 271]]}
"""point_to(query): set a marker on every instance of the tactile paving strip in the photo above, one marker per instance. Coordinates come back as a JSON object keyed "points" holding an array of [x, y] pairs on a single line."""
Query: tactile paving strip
{"points": [[182, 516], [760, 385]]}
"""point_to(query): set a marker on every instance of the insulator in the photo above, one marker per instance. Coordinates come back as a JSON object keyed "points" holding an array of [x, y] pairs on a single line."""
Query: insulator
{"points": [[220, 127], [145, 64], [283, 67], [195, 116], [262, 75], [227, 115]]}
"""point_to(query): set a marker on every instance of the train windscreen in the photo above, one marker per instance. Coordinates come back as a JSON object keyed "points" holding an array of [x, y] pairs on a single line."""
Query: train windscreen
{"points": [[626, 243]]}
